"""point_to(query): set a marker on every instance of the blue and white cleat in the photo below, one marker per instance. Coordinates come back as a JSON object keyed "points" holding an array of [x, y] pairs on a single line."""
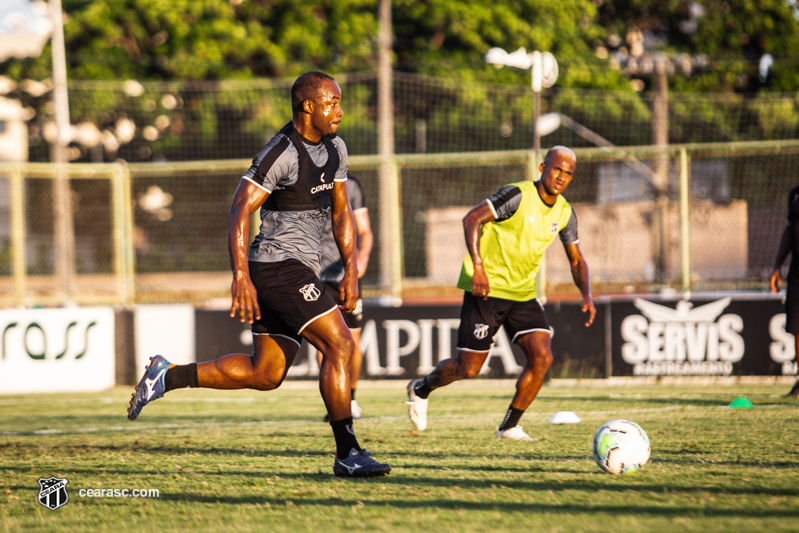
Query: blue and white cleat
{"points": [[150, 387], [360, 465]]}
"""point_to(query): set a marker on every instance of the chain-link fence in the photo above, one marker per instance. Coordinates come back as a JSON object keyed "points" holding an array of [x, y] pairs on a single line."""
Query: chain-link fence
{"points": [[231, 119], [158, 232]]}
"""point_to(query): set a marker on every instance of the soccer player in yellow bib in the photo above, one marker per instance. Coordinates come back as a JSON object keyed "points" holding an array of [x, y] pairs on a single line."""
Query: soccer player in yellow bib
{"points": [[506, 237]]}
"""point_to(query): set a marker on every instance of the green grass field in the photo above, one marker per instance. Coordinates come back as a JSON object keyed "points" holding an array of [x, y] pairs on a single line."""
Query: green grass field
{"points": [[251, 461]]}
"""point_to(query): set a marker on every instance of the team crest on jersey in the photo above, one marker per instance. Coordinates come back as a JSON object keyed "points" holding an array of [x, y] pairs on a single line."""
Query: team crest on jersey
{"points": [[310, 293], [480, 331], [553, 229], [53, 492]]}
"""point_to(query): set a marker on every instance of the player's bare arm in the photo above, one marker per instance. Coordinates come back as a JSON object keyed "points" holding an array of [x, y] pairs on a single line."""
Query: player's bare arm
{"points": [[363, 228], [782, 253], [581, 278], [344, 232], [472, 226], [247, 200]]}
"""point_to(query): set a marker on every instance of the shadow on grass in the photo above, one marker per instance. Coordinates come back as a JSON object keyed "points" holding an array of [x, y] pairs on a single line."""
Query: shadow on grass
{"points": [[421, 459], [588, 482], [459, 504], [526, 507]]}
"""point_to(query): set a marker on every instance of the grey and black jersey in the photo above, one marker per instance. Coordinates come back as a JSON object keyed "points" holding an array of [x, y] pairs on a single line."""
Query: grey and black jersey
{"points": [[332, 266], [506, 201], [299, 176]]}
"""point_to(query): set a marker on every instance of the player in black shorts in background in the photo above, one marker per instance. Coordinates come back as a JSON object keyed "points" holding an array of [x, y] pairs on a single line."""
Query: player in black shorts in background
{"points": [[333, 272], [298, 180], [789, 244]]}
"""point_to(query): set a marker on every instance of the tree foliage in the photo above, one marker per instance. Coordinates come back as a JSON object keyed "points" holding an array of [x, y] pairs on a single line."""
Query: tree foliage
{"points": [[193, 52], [216, 39], [229, 39]]}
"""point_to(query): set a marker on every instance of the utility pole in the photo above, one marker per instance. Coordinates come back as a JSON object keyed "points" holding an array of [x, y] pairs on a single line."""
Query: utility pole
{"points": [[62, 200], [389, 229]]}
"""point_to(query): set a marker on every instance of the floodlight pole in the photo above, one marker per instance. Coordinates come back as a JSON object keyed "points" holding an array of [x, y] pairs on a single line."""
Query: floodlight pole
{"points": [[543, 73], [538, 80]]}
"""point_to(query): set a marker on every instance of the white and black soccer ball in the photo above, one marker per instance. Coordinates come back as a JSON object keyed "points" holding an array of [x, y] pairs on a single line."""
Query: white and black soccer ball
{"points": [[621, 447]]}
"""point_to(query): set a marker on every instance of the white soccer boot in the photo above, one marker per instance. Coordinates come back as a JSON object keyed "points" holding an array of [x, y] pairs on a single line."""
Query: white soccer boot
{"points": [[515, 433], [417, 407], [356, 410]]}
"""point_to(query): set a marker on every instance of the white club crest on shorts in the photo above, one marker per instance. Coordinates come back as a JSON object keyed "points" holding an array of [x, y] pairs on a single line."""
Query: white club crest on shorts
{"points": [[310, 293], [480, 331], [553, 229]]}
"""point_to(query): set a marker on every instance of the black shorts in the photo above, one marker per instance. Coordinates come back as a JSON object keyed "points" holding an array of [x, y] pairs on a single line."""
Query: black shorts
{"points": [[792, 304], [290, 296], [481, 320], [353, 320]]}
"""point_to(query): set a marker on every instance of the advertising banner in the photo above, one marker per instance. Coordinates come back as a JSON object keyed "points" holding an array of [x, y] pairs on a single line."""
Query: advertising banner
{"points": [[407, 342], [701, 337], [56, 350]]}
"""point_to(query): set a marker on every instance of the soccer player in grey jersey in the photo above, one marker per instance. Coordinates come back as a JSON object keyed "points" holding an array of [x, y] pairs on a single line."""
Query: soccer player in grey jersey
{"points": [[298, 182]]}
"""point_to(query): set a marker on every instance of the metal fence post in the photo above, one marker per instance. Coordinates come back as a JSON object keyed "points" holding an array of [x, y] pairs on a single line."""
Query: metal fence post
{"points": [[18, 263], [685, 222], [124, 255], [391, 249]]}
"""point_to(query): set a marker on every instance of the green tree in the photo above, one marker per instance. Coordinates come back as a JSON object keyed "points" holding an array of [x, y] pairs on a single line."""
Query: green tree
{"points": [[210, 39]]}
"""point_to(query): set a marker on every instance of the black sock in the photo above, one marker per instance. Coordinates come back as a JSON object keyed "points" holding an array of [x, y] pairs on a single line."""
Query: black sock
{"points": [[511, 418], [352, 394], [180, 377], [421, 389], [345, 437]]}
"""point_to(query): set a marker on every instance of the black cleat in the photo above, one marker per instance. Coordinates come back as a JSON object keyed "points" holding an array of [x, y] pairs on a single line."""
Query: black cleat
{"points": [[360, 465]]}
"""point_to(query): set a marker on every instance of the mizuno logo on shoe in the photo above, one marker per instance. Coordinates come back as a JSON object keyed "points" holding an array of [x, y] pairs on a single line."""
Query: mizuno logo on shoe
{"points": [[150, 383], [350, 469]]}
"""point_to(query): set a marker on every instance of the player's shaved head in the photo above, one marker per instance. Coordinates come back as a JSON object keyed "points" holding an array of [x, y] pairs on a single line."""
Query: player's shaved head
{"points": [[562, 150], [306, 87]]}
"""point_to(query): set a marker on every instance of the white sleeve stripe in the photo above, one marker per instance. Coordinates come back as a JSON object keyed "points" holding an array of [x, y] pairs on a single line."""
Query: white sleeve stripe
{"points": [[493, 211], [256, 184], [359, 210], [339, 179]]}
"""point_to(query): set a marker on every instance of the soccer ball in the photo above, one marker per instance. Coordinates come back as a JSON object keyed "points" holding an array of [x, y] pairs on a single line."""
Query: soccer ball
{"points": [[621, 447]]}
